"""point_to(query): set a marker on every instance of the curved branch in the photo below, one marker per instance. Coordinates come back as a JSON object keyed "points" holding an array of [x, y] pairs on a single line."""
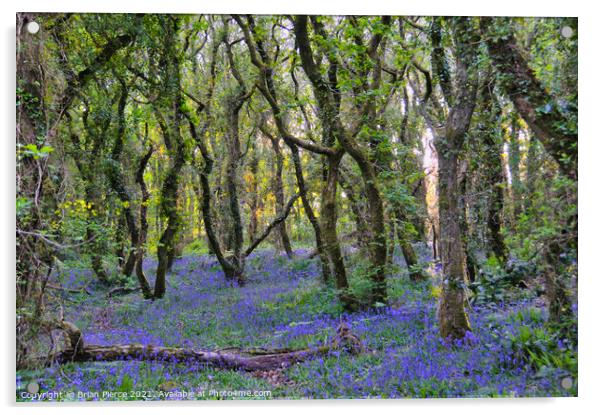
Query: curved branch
{"points": [[279, 219]]}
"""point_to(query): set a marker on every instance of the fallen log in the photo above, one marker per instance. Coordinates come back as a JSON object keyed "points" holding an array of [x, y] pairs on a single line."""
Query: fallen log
{"points": [[252, 360], [92, 353]]}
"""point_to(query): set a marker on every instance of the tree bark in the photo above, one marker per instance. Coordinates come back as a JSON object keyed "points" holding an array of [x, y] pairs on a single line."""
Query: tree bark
{"points": [[453, 320], [362, 234], [494, 177], [307, 207], [87, 168], [232, 177], [328, 225], [409, 254], [205, 173], [171, 100], [465, 211], [117, 182], [247, 360], [539, 109], [279, 194], [254, 202], [514, 159], [559, 304], [96, 247], [140, 247]]}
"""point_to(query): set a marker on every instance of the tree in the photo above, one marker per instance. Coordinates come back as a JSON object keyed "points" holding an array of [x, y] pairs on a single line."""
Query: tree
{"points": [[327, 242], [554, 125], [328, 100], [169, 115], [461, 98], [491, 136]]}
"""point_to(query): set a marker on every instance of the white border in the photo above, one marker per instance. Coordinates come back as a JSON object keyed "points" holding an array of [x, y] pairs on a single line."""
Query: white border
{"points": [[589, 201]]}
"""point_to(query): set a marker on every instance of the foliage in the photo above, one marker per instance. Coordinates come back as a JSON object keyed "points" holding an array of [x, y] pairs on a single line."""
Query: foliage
{"points": [[496, 283]]}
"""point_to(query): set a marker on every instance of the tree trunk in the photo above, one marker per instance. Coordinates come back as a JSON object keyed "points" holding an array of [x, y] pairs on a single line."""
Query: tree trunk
{"points": [[309, 211], [409, 254], [328, 101], [514, 158], [227, 267], [494, 177], [279, 193], [232, 176], [171, 100], [253, 188], [378, 239], [453, 320], [327, 243], [362, 234], [436, 254], [539, 109], [87, 166], [559, 304], [117, 182], [328, 225], [140, 247], [96, 246], [32, 254], [467, 235], [231, 271]]}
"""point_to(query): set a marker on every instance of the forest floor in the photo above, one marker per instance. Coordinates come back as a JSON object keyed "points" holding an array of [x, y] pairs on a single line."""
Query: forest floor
{"points": [[285, 304]]}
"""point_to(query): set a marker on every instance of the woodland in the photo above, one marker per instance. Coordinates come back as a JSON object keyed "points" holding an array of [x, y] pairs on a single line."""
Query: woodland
{"points": [[295, 206]]}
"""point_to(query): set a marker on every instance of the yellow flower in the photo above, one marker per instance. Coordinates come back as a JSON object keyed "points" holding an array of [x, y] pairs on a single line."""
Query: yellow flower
{"points": [[436, 292]]}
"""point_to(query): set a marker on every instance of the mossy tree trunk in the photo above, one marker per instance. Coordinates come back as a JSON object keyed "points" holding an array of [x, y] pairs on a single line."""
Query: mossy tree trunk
{"points": [[550, 124], [117, 182], [407, 250], [255, 202], [170, 102], [87, 155], [358, 208], [328, 224], [494, 176], [234, 161], [234, 101], [461, 98], [141, 243], [514, 162]]}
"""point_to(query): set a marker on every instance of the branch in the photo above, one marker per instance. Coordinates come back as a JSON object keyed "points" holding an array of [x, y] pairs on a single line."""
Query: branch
{"points": [[53, 243], [145, 78], [279, 219], [80, 80], [414, 24], [427, 76], [535, 105]]}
